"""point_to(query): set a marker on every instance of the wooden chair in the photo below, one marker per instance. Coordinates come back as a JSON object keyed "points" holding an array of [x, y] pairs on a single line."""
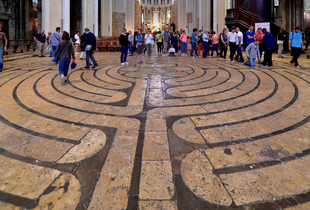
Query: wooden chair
{"points": [[111, 47], [117, 46]]}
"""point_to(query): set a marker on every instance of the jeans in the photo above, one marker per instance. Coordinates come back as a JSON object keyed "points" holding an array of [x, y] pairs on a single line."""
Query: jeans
{"points": [[183, 47], [194, 48], [215, 47], [232, 47], [89, 55], [64, 64], [268, 58], [53, 50], [206, 46], [1, 58], [130, 48], [149, 48], [296, 53], [176, 47], [124, 53], [239, 53]]}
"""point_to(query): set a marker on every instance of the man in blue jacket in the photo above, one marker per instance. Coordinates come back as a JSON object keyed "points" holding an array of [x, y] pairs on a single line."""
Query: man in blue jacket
{"points": [[90, 44], [268, 46]]}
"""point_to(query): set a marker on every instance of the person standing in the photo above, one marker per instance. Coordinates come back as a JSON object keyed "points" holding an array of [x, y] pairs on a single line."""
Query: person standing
{"points": [[166, 38], [140, 46], [159, 41], [200, 43], [259, 35], [148, 42], [130, 40], [66, 51], [49, 47], [223, 44], [90, 46], [268, 46], [252, 51], [82, 41], [250, 36], [239, 43], [232, 39], [123, 40], [215, 44], [55, 39], [194, 42], [77, 41], [174, 42], [3, 45], [295, 45], [183, 39], [280, 42], [40, 39], [205, 38]]}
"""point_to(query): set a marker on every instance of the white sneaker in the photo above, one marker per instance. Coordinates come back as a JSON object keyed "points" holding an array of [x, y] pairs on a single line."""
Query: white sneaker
{"points": [[126, 63], [123, 64]]}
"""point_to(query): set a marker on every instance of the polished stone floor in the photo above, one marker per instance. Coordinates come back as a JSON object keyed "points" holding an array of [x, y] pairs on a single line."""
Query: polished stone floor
{"points": [[172, 133]]}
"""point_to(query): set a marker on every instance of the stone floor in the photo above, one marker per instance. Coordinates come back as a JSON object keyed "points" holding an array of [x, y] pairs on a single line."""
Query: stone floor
{"points": [[172, 133]]}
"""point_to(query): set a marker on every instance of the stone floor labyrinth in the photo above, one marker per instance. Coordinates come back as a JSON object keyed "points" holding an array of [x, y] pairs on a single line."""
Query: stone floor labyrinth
{"points": [[172, 133]]}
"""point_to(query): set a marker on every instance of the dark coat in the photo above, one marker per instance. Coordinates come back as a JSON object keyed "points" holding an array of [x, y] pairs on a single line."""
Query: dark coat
{"points": [[91, 39], [268, 42]]}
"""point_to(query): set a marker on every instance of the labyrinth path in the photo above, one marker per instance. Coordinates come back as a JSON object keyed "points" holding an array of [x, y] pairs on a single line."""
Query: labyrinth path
{"points": [[172, 133]]}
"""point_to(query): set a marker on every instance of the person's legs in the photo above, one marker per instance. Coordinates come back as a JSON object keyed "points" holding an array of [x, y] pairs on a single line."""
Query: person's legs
{"points": [[61, 67], [176, 47], [296, 54], [42, 48], [216, 49], [122, 54], [193, 46], [82, 53], [232, 47], [66, 66], [158, 47], [270, 59], [1, 58], [225, 52], [280, 50], [93, 59], [205, 45], [87, 58], [150, 49], [39, 48], [125, 53], [252, 61]]}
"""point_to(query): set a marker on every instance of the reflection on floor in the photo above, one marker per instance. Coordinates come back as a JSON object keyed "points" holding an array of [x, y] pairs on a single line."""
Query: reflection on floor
{"points": [[172, 133]]}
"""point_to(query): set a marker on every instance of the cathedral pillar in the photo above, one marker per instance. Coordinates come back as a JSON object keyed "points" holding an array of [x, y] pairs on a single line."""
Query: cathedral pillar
{"points": [[96, 14], [166, 14], [66, 15], [152, 18], [106, 18], [46, 14], [145, 19], [159, 15]]}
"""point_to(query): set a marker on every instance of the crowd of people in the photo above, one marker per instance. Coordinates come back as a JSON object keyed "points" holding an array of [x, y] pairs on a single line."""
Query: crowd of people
{"points": [[256, 45]]}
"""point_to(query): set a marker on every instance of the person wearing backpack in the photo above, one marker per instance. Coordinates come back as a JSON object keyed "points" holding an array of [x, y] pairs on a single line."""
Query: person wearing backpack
{"points": [[268, 46], [295, 45], [54, 40]]}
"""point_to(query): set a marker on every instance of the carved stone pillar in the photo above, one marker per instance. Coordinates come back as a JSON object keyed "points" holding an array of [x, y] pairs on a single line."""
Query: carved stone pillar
{"points": [[159, 15], [152, 18], [145, 19], [166, 13]]}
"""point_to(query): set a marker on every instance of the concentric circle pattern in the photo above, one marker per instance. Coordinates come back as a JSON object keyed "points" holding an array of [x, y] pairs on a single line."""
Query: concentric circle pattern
{"points": [[173, 133]]}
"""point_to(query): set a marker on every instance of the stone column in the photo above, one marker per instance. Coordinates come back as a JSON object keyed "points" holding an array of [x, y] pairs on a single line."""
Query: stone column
{"points": [[84, 14], [145, 18], [106, 17], [166, 14], [152, 18], [159, 15], [46, 14], [96, 13], [215, 18], [66, 15], [200, 14]]}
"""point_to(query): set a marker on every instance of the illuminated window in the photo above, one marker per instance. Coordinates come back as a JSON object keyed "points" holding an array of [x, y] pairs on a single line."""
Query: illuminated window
{"points": [[34, 2], [276, 3]]}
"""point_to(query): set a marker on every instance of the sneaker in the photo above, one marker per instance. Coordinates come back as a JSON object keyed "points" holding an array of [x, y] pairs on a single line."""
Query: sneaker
{"points": [[126, 63], [86, 67], [62, 81], [123, 64], [94, 66], [192, 56], [298, 67], [42, 55], [198, 56]]}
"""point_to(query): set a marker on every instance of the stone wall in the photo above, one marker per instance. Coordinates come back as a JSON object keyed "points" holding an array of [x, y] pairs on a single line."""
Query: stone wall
{"points": [[119, 22], [138, 16]]}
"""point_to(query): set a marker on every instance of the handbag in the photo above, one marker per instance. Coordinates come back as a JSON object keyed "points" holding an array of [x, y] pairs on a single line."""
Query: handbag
{"points": [[57, 57], [88, 47]]}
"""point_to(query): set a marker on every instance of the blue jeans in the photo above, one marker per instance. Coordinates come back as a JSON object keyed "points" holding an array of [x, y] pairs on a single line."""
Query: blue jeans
{"points": [[251, 62], [149, 49], [176, 47], [53, 51], [89, 55], [239, 53], [130, 48], [124, 54], [206, 46], [194, 48], [1, 58], [64, 64], [215, 47], [183, 47]]}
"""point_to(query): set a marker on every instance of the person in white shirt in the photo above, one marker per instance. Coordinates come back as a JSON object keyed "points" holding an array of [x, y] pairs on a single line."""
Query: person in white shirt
{"points": [[148, 42], [77, 41], [205, 38], [239, 43], [232, 38]]}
